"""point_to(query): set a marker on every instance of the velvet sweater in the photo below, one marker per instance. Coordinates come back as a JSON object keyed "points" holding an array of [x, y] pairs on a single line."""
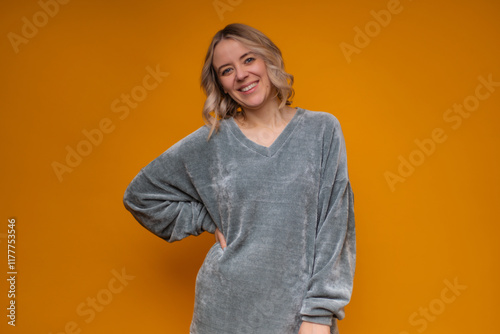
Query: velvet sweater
{"points": [[286, 212]]}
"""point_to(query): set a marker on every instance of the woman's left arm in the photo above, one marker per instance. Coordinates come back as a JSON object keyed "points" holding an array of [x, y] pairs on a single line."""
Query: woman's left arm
{"points": [[313, 328], [330, 285]]}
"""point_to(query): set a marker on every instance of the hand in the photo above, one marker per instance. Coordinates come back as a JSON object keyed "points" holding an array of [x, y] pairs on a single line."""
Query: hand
{"points": [[313, 328], [219, 237]]}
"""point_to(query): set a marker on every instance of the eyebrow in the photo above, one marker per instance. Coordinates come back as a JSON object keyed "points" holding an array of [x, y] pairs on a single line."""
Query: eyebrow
{"points": [[243, 56]]}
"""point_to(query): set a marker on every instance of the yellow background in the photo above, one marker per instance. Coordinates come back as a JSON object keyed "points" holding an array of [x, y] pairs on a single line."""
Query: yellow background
{"points": [[440, 225]]}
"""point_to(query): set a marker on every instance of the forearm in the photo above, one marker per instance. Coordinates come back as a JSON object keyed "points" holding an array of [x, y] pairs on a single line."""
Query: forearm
{"points": [[165, 210], [313, 328]]}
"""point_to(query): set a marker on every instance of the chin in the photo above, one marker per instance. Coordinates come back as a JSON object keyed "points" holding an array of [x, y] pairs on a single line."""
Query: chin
{"points": [[255, 104]]}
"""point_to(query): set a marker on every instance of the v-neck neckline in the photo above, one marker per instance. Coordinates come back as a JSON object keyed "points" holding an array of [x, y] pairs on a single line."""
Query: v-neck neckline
{"points": [[267, 151]]}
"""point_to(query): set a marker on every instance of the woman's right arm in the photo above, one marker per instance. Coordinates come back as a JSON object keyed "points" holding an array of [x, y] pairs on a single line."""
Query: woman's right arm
{"points": [[163, 199]]}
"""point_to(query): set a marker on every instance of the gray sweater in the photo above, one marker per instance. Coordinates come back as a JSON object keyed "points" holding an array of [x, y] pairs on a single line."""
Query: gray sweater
{"points": [[286, 212]]}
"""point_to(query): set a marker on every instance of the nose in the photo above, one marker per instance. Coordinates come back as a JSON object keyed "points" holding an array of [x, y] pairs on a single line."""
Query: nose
{"points": [[240, 73]]}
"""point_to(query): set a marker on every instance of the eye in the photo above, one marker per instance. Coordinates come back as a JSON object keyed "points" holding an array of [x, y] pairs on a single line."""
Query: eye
{"points": [[228, 69]]}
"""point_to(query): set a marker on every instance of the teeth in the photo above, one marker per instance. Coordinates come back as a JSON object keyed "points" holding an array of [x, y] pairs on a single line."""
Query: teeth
{"points": [[247, 88]]}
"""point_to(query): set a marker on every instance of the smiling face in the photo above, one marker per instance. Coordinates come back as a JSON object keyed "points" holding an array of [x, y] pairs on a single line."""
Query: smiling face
{"points": [[243, 74]]}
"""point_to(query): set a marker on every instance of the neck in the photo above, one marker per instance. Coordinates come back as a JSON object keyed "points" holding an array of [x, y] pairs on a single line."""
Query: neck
{"points": [[268, 116]]}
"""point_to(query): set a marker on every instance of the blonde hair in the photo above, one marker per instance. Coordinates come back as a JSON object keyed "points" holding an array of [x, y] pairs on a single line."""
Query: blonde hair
{"points": [[221, 106]]}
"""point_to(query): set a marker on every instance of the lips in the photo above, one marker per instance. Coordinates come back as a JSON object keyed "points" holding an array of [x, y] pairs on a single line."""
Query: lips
{"points": [[248, 87]]}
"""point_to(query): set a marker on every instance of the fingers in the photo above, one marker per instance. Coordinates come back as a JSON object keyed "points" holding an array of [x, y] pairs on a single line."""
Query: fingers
{"points": [[219, 237], [222, 241], [216, 234]]}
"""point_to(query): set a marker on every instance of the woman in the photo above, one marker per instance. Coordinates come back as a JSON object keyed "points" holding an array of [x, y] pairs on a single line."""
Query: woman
{"points": [[271, 182]]}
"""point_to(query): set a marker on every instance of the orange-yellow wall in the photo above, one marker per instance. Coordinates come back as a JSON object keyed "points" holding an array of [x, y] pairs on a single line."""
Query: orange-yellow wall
{"points": [[438, 227]]}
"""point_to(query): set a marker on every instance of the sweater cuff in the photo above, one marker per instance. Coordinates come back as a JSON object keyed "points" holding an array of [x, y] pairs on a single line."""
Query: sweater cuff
{"points": [[322, 320], [209, 227]]}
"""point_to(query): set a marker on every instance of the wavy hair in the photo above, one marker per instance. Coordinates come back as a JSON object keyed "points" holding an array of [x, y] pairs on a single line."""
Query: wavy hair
{"points": [[221, 106]]}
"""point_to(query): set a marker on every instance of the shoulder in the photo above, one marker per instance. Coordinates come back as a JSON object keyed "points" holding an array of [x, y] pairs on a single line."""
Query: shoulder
{"points": [[327, 128], [176, 155], [197, 146], [326, 121], [320, 116], [191, 144]]}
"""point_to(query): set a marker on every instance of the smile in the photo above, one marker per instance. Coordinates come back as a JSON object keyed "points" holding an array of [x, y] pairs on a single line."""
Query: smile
{"points": [[249, 87]]}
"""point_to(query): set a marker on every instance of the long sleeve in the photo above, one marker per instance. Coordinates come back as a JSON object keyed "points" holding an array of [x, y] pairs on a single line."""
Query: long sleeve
{"points": [[330, 285], [163, 198]]}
